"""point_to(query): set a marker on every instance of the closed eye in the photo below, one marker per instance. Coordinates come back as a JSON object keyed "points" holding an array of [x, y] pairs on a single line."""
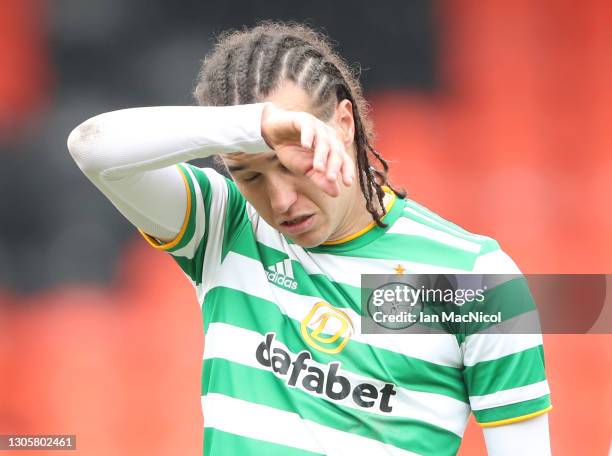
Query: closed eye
{"points": [[252, 178]]}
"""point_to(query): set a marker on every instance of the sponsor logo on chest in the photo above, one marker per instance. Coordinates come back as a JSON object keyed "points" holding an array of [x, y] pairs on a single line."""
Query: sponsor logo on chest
{"points": [[300, 371]]}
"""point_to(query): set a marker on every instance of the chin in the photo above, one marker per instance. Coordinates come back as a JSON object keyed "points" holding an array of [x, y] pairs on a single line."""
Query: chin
{"points": [[309, 239], [307, 245]]}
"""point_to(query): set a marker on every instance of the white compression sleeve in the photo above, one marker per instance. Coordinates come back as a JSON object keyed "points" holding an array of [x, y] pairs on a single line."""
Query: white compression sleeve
{"points": [[527, 438], [128, 154]]}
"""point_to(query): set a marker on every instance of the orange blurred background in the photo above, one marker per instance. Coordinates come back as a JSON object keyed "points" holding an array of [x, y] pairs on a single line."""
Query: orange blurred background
{"points": [[516, 144]]}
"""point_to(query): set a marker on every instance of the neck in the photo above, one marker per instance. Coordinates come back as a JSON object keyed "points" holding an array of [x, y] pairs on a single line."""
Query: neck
{"points": [[356, 218]]}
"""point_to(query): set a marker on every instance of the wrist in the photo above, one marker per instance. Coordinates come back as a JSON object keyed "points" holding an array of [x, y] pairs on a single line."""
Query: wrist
{"points": [[266, 113]]}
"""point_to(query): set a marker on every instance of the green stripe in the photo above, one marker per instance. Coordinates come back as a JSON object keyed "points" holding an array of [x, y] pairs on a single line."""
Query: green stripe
{"points": [[239, 309], [261, 387], [404, 247], [219, 443], [519, 369], [235, 218], [193, 215], [343, 295], [365, 239], [510, 298], [447, 226], [193, 266], [245, 244], [513, 410]]}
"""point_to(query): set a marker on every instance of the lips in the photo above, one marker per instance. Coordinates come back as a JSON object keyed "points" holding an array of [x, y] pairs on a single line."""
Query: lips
{"points": [[295, 220], [298, 225]]}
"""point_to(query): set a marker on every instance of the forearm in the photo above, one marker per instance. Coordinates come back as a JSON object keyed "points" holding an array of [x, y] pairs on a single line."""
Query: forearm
{"points": [[128, 154], [119, 143]]}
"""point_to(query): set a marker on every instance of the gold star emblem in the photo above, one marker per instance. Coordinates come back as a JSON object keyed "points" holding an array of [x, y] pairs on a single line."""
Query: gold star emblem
{"points": [[399, 269]]}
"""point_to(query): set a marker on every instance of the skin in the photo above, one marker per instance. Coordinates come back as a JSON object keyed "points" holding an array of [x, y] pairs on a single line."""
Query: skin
{"points": [[310, 172]]}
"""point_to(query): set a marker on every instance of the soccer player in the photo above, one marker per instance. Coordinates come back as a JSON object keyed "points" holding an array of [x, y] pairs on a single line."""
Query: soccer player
{"points": [[275, 255]]}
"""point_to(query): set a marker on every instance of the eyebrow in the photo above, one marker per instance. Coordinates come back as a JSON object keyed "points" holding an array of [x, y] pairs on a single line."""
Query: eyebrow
{"points": [[234, 168]]}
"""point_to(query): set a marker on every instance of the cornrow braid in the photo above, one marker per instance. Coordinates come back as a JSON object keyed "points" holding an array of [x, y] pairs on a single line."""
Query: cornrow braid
{"points": [[245, 71], [222, 78], [272, 71], [301, 60], [247, 66]]}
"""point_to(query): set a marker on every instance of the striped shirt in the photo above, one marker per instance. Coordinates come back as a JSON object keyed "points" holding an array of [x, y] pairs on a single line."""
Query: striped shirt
{"points": [[287, 371]]}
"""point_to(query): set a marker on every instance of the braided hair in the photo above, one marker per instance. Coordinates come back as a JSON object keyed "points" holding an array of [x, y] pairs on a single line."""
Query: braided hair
{"points": [[248, 65]]}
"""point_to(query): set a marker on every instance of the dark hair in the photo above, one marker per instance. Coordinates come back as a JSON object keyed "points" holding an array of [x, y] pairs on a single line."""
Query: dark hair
{"points": [[248, 65]]}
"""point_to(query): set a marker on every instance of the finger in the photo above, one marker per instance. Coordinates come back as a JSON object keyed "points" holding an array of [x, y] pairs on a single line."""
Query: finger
{"points": [[307, 134], [348, 170], [321, 181], [321, 151], [333, 189], [334, 161]]}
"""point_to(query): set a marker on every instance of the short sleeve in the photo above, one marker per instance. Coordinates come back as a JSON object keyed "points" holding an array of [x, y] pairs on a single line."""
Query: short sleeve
{"points": [[504, 373], [505, 377], [216, 212]]}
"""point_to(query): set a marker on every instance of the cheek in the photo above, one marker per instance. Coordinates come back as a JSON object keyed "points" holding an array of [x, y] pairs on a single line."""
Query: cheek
{"points": [[256, 196], [329, 210]]}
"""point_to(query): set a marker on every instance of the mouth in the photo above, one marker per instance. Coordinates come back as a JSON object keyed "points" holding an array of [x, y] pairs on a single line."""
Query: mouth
{"points": [[299, 224]]}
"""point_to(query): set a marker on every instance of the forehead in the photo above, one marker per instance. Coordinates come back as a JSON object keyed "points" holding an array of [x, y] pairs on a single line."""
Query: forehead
{"points": [[241, 161], [288, 96], [291, 97]]}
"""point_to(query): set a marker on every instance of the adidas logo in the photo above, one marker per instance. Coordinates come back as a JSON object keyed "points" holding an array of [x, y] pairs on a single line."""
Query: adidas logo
{"points": [[281, 273]]}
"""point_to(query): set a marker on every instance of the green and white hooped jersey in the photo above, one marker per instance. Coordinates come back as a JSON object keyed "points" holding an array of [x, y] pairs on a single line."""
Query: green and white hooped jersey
{"points": [[276, 382]]}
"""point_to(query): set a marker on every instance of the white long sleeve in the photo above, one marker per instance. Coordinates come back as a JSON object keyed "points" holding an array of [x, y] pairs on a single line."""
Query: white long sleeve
{"points": [[526, 438], [128, 154]]}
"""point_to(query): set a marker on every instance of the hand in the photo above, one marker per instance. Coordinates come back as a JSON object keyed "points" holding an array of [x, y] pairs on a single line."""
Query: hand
{"points": [[307, 146]]}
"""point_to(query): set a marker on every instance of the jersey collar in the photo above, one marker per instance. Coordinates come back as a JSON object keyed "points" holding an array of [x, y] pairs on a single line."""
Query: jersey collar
{"points": [[365, 235]]}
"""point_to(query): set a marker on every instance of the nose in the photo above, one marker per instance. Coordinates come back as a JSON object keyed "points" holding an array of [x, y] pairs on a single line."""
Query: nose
{"points": [[282, 194]]}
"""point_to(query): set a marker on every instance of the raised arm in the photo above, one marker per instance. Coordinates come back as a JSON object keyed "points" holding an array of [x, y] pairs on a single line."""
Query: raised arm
{"points": [[128, 154]]}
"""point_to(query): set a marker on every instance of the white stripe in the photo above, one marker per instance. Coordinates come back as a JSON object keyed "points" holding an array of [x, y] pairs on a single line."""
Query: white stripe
{"points": [[442, 411], [405, 225], [198, 218], [218, 203], [279, 268], [441, 222], [288, 268], [487, 347], [496, 262], [257, 422], [342, 269], [441, 348], [348, 270], [285, 428], [510, 396]]}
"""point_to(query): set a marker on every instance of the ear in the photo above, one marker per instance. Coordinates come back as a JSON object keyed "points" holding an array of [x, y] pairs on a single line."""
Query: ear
{"points": [[343, 118]]}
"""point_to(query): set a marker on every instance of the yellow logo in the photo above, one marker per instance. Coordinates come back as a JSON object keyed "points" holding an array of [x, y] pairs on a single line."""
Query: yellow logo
{"points": [[336, 324]]}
